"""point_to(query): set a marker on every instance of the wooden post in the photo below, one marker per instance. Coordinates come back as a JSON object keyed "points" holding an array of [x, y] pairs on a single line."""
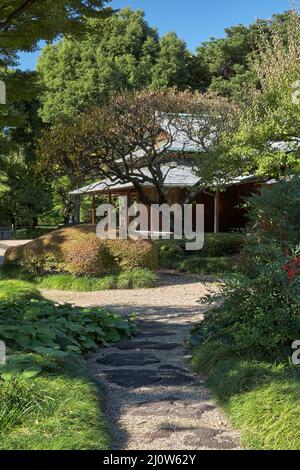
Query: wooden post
{"points": [[217, 212], [94, 210], [76, 211], [128, 205]]}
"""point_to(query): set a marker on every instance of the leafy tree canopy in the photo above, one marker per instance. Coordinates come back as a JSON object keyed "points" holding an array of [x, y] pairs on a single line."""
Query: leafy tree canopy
{"points": [[265, 139], [228, 60], [120, 53], [23, 23]]}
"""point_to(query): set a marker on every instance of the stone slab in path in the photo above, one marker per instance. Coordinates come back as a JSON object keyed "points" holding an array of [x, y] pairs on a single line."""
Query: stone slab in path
{"points": [[138, 378], [148, 345], [128, 359]]}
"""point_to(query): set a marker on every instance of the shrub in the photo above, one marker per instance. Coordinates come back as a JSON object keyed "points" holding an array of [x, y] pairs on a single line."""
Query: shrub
{"points": [[133, 254], [259, 316], [274, 228], [222, 244], [197, 264], [78, 250], [31, 233], [274, 214], [215, 245]]}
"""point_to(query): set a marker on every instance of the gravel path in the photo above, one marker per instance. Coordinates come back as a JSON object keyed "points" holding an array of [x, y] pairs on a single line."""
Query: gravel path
{"points": [[154, 402]]}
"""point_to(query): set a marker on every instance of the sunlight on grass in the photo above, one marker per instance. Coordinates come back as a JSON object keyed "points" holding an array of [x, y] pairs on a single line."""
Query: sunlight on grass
{"points": [[52, 412], [262, 400]]}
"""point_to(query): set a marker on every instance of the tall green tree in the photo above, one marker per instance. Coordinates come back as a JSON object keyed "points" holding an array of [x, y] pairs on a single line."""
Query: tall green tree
{"points": [[265, 138], [228, 61], [23, 23], [27, 197], [118, 54], [172, 65]]}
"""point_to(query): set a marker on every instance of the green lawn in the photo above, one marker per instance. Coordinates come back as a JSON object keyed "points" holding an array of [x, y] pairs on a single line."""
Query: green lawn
{"points": [[262, 400], [15, 290], [58, 410]]}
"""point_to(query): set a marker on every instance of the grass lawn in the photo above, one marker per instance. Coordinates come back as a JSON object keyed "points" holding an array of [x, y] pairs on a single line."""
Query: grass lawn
{"points": [[262, 400], [12, 290], [57, 410]]}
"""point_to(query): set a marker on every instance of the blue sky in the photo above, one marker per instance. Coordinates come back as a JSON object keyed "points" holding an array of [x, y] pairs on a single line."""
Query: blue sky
{"points": [[194, 21]]}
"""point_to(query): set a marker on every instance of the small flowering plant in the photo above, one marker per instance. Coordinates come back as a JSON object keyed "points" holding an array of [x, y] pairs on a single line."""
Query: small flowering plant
{"points": [[292, 267]]}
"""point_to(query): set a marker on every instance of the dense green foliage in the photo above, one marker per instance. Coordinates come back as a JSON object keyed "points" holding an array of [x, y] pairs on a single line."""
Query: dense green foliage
{"points": [[218, 256], [273, 233], [260, 312], [19, 124], [124, 53], [259, 315], [120, 53], [20, 33], [228, 61], [36, 325], [117, 53], [265, 138]]}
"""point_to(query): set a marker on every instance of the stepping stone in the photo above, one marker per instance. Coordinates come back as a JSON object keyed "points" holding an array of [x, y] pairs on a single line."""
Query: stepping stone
{"points": [[138, 345], [203, 437], [176, 410], [159, 434], [129, 359], [170, 367], [129, 378], [151, 334], [136, 378], [210, 438]]}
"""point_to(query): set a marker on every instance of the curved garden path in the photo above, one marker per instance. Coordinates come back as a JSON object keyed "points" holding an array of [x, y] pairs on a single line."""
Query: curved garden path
{"points": [[154, 402]]}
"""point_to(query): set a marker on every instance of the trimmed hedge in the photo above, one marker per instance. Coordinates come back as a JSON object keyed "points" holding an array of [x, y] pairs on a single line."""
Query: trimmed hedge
{"points": [[31, 233], [203, 266], [215, 245], [218, 255], [78, 251]]}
